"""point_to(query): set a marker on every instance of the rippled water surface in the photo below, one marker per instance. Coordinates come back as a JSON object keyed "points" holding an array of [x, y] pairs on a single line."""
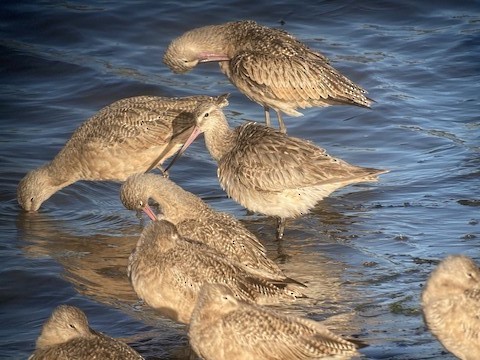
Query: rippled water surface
{"points": [[365, 251]]}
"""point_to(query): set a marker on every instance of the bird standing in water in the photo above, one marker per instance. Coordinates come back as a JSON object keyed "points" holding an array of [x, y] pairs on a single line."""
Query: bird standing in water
{"points": [[269, 172], [196, 220], [131, 135], [269, 66]]}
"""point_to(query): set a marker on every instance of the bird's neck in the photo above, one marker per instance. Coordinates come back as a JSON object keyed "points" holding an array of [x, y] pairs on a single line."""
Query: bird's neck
{"points": [[219, 140], [54, 177], [65, 168]]}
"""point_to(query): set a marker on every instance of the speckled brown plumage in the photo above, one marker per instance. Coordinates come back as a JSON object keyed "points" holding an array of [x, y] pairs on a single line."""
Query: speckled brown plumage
{"points": [[66, 336], [224, 327], [167, 272], [195, 220], [268, 65], [129, 136], [451, 306], [269, 172]]}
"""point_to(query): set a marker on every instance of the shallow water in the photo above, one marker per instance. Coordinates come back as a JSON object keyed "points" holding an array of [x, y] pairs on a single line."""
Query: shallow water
{"points": [[365, 252]]}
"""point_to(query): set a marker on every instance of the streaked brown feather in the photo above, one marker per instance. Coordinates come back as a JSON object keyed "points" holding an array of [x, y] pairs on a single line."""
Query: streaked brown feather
{"points": [[268, 160], [451, 305], [224, 327], [267, 65], [195, 220], [167, 272], [129, 136]]}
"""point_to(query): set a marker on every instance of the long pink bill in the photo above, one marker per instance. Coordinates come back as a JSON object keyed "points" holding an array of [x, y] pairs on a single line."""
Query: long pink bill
{"points": [[196, 131], [148, 210], [209, 57]]}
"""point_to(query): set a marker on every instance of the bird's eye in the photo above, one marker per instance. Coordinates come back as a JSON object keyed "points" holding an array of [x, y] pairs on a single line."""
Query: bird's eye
{"points": [[206, 115], [31, 199], [72, 326], [140, 203]]}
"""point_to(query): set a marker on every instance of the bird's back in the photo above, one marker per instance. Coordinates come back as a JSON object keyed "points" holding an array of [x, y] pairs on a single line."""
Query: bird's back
{"points": [[97, 346], [129, 136], [141, 118], [269, 172], [274, 69], [264, 159], [255, 332]]}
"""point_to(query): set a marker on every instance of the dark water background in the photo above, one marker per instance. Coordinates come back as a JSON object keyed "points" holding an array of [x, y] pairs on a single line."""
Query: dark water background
{"points": [[366, 251]]}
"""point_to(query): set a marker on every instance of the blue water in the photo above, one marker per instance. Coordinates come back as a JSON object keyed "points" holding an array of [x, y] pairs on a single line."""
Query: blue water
{"points": [[365, 252]]}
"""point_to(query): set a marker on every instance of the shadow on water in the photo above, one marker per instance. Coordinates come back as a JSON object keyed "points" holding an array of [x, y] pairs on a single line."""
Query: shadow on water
{"points": [[96, 265]]}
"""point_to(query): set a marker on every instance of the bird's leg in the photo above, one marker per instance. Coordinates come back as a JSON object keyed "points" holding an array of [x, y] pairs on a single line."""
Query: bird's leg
{"points": [[282, 256], [165, 174], [267, 116], [280, 227], [281, 124]]}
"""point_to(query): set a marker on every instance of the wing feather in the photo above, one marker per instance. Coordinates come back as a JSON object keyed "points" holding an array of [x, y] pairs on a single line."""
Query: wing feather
{"points": [[300, 80], [266, 160], [275, 336], [139, 121]]}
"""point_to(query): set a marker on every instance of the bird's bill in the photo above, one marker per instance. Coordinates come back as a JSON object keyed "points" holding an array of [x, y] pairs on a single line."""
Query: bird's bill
{"points": [[196, 131], [148, 210], [209, 57]]}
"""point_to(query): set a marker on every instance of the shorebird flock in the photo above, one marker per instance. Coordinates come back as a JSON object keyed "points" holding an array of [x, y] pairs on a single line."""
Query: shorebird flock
{"points": [[204, 268]]}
